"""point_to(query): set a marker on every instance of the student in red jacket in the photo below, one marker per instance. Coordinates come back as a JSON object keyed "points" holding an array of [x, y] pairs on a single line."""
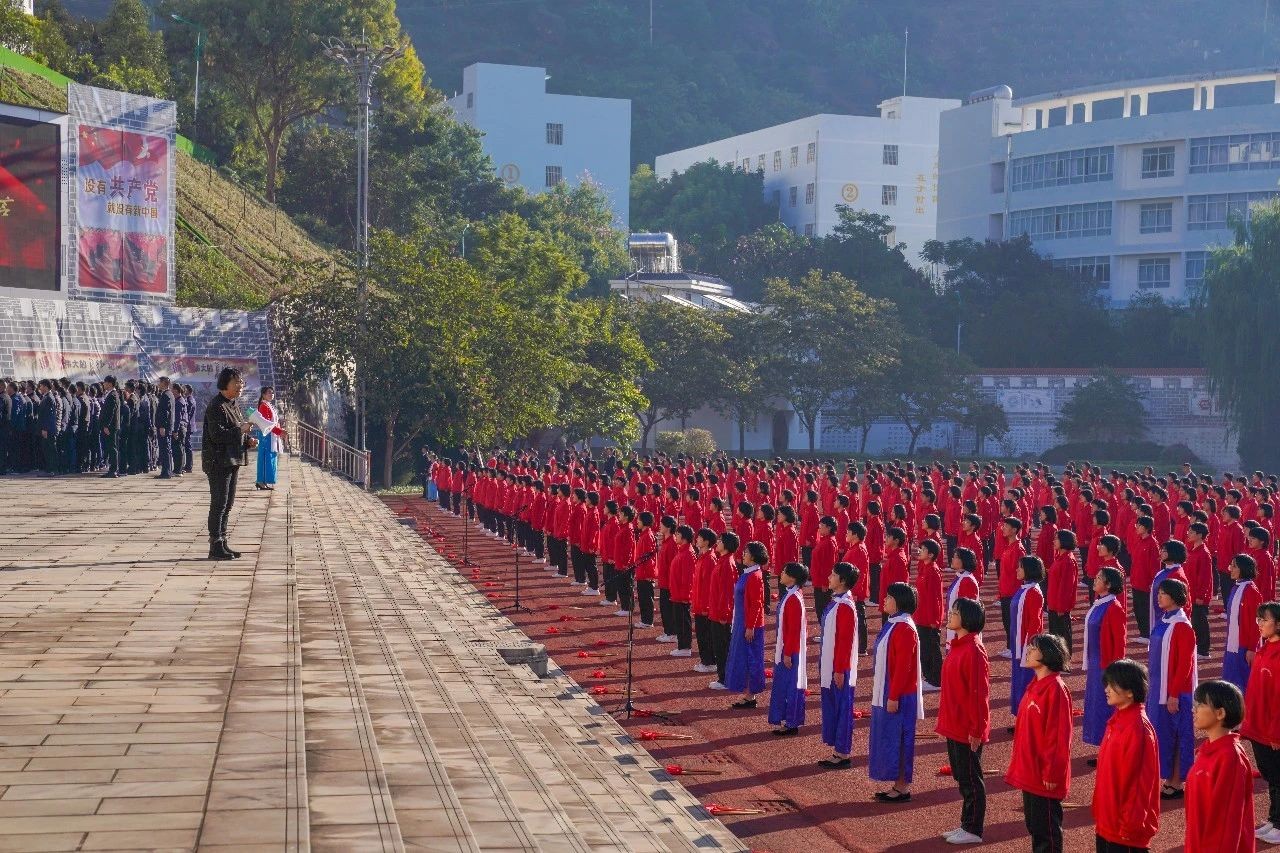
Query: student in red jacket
{"points": [[666, 533], [1144, 562], [721, 610], [1242, 624], [893, 569], [1199, 569], [790, 672], [821, 561], [745, 669], [636, 546], [855, 554], [897, 698], [1258, 546], [1126, 793], [786, 541], [1011, 553], [964, 715], [1220, 783], [703, 571], [1064, 572], [681, 580], [875, 547], [1262, 715], [1173, 680], [1041, 762], [971, 538], [930, 612]]}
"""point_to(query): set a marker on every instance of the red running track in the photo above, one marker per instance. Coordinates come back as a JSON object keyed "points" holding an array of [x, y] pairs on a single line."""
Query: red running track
{"points": [[805, 808]]}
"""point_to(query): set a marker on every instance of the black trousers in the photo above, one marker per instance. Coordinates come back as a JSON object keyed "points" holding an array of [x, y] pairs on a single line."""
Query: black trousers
{"points": [[165, 443], [861, 607], [579, 567], [610, 590], [559, 555], [592, 571], [706, 648], [1225, 583], [664, 610], [538, 550], [875, 584], [931, 655], [1006, 620], [111, 452], [1268, 761], [1060, 624], [1142, 612], [222, 495], [1044, 822], [1200, 622], [1102, 845], [721, 633], [684, 624], [806, 554], [821, 598], [966, 769], [644, 596], [49, 446]]}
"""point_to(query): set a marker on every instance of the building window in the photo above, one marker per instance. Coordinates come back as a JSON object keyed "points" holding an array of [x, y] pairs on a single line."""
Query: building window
{"points": [[746, 164], [555, 175], [1157, 162], [890, 155], [1097, 268], [1153, 273], [1062, 221], [1236, 153], [889, 195], [1193, 278], [1155, 218], [777, 161], [795, 156], [777, 198], [810, 193], [471, 99], [555, 134], [760, 163], [1215, 212], [808, 229], [890, 237], [812, 153], [1079, 166], [794, 195]]}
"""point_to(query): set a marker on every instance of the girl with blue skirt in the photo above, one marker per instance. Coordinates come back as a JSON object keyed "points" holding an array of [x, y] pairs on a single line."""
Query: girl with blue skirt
{"points": [[897, 697], [790, 673], [1173, 680], [1026, 620], [267, 429], [837, 671], [1242, 624], [1104, 639], [745, 668]]}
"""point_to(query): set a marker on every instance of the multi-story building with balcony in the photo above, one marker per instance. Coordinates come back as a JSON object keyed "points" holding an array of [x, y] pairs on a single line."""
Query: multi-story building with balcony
{"points": [[1130, 183]]}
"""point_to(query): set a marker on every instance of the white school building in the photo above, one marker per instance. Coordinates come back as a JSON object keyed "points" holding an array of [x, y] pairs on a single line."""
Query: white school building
{"points": [[886, 163]]}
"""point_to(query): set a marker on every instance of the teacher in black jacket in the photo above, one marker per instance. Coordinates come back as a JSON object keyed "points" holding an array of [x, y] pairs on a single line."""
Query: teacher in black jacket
{"points": [[226, 440]]}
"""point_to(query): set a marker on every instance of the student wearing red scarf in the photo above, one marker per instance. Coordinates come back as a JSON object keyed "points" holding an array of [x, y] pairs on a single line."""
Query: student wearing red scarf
{"points": [[1041, 762], [1126, 793], [1220, 784], [964, 715], [1262, 715]]}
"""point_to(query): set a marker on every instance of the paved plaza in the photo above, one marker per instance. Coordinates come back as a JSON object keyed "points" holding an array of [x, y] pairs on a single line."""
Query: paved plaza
{"points": [[340, 687]]}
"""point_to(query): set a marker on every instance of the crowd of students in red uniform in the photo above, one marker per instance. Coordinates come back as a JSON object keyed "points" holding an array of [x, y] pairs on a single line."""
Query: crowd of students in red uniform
{"points": [[705, 545]]}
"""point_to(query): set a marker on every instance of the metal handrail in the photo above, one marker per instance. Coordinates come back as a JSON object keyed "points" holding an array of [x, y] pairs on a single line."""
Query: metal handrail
{"points": [[315, 445]]}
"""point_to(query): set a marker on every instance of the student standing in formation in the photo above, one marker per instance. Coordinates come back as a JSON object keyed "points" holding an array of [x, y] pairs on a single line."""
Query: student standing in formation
{"points": [[1220, 783], [680, 578], [1199, 570], [1242, 624], [837, 670], [721, 612], [1064, 574], [930, 613], [1026, 612], [1104, 640], [1144, 563], [1010, 555], [790, 672], [662, 575], [1173, 680], [965, 585], [897, 701], [703, 572], [745, 670], [1041, 763], [638, 549], [1262, 715], [964, 714], [822, 559], [855, 554], [1126, 793], [894, 567]]}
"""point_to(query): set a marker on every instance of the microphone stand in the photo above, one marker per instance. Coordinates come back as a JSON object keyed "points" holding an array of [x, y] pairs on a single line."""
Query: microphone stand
{"points": [[628, 707], [466, 529], [516, 606]]}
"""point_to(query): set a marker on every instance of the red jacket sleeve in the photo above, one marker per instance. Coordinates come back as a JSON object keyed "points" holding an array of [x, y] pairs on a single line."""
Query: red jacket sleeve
{"points": [[753, 602], [1182, 650], [904, 674], [1112, 637], [1220, 800], [846, 625], [979, 696], [791, 626]]}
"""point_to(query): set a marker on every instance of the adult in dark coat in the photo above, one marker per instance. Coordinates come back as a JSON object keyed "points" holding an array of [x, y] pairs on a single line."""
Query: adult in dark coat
{"points": [[109, 423], [166, 420], [222, 455], [6, 416], [50, 423]]}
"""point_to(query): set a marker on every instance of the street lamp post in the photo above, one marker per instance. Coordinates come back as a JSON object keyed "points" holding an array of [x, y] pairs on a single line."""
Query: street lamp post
{"points": [[364, 59], [200, 38]]}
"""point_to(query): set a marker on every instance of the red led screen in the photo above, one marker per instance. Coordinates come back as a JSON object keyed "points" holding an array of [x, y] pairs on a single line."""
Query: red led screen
{"points": [[30, 210]]}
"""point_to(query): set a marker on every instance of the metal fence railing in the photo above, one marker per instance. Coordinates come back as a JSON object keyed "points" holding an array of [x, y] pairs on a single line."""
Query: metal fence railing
{"points": [[315, 445]]}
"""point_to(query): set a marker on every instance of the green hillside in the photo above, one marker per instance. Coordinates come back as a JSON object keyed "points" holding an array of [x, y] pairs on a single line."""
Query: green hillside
{"points": [[226, 236]]}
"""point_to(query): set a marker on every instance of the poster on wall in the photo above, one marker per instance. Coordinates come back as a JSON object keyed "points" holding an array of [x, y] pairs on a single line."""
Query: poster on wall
{"points": [[77, 366], [124, 191], [30, 203]]}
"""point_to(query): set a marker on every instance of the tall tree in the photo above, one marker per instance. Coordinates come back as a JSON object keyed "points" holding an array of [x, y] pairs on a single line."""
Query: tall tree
{"points": [[608, 359], [1108, 408], [833, 337], [927, 386], [774, 251], [127, 45], [752, 368], [1239, 311]]}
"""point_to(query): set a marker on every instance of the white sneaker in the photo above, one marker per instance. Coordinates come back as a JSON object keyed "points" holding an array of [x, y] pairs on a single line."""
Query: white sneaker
{"points": [[577, 583], [1007, 654], [704, 667], [1272, 837], [1142, 641], [604, 602], [963, 837], [590, 591], [622, 613], [926, 687], [643, 625], [716, 685], [1263, 829], [666, 638], [682, 653], [951, 832]]}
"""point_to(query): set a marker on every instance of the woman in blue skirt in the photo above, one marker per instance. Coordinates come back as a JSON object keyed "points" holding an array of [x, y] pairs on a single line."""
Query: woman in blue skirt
{"points": [[790, 670], [745, 668], [897, 699], [838, 667]]}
